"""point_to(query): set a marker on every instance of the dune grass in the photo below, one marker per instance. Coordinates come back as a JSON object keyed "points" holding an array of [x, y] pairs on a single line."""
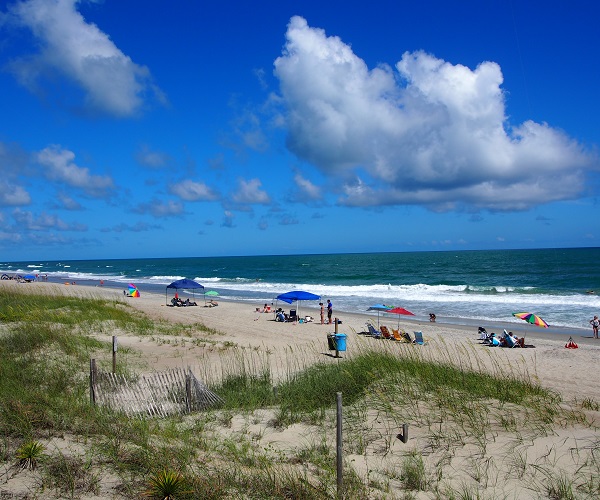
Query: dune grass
{"points": [[44, 355]]}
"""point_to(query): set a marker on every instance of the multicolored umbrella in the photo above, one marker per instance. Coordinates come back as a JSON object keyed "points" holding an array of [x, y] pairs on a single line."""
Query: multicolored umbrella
{"points": [[531, 318], [400, 311], [133, 291]]}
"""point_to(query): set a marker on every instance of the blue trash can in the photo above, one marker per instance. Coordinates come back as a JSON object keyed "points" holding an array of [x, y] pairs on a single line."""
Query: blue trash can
{"points": [[340, 341]]}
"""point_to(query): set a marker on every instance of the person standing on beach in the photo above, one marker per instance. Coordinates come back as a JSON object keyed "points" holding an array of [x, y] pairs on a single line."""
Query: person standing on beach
{"points": [[329, 310], [322, 313], [595, 324]]}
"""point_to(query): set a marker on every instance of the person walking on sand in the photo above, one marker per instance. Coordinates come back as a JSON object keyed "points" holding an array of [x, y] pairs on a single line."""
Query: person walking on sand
{"points": [[595, 324], [329, 311], [322, 313]]}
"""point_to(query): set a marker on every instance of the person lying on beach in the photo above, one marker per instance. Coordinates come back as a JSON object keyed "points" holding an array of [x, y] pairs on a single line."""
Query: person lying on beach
{"points": [[264, 309]]}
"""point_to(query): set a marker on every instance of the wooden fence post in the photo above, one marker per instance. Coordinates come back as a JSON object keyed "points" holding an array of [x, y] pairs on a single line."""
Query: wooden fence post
{"points": [[339, 451], [114, 353], [337, 353], [92, 381], [188, 392]]}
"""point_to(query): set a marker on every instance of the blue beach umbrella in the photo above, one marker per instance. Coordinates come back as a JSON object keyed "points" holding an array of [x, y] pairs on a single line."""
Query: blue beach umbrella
{"points": [[379, 308]]}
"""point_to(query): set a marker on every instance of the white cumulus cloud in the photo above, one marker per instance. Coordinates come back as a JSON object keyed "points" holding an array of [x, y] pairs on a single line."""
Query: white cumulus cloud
{"points": [[305, 190], [250, 192], [59, 165], [424, 132], [193, 191], [80, 52]]}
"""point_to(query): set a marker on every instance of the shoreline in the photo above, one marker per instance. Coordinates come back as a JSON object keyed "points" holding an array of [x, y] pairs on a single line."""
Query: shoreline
{"points": [[520, 329]]}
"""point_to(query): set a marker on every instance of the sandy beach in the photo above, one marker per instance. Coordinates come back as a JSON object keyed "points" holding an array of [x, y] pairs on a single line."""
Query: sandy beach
{"points": [[568, 371], [238, 326]]}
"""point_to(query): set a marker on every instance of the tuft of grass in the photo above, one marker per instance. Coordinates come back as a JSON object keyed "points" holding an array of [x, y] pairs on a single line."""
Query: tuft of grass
{"points": [[412, 473], [29, 454], [560, 488], [590, 404], [166, 485], [71, 476]]}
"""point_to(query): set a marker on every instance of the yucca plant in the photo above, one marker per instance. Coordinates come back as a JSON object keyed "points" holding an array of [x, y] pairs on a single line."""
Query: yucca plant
{"points": [[166, 485], [29, 454]]}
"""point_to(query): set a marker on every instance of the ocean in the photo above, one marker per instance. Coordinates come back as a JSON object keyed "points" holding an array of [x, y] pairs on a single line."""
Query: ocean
{"points": [[461, 287]]}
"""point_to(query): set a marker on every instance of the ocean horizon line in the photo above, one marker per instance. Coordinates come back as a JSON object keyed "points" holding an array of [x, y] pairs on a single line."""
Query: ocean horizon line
{"points": [[374, 252]]}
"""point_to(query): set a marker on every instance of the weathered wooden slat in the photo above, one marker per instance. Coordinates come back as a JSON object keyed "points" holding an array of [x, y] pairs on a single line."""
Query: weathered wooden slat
{"points": [[156, 394]]}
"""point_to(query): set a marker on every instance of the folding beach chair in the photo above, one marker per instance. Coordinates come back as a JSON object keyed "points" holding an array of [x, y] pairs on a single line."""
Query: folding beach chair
{"points": [[509, 342], [374, 332], [396, 335], [419, 338], [484, 336], [385, 333]]}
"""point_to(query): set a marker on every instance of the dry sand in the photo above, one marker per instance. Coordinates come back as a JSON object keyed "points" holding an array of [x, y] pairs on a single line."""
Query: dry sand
{"points": [[570, 372]]}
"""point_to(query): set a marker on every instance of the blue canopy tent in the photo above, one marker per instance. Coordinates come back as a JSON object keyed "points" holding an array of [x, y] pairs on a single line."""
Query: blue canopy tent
{"points": [[297, 295], [183, 284]]}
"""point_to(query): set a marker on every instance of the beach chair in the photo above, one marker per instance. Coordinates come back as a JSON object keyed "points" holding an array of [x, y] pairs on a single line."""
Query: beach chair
{"points": [[484, 336], [385, 333], [292, 317], [419, 338], [374, 332], [399, 336], [510, 342], [407, 337]]}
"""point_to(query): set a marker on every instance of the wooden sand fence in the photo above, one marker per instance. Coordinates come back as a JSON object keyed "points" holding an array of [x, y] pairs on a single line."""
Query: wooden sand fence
{"points": [[159, 394]]}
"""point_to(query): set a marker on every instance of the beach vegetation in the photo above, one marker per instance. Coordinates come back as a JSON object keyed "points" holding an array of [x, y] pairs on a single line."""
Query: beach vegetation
{"points": [[457, 405], [412, 472], [590, 404], [166, 484], [70, 475], [29, 454]]}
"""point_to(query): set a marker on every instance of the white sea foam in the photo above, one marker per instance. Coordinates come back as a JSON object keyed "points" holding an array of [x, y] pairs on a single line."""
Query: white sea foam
{"points": [[452, 302]]}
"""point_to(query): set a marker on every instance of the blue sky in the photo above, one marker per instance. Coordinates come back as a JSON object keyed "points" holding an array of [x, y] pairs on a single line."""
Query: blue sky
{"points": [[141, 129]]}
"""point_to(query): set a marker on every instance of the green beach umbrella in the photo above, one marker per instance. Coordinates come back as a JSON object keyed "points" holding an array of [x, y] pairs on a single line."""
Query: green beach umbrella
{"points": [[210, 293]]}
